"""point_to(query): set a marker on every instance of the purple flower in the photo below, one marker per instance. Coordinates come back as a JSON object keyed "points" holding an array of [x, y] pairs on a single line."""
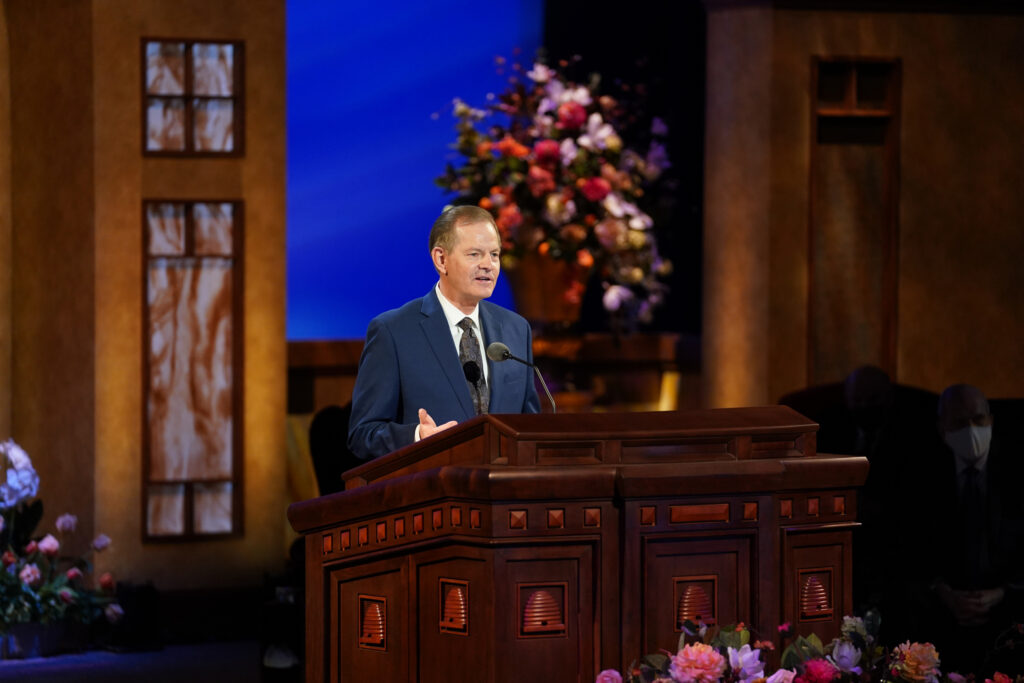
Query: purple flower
{"points": [[845, 657], [615, 296], [67, 523]]}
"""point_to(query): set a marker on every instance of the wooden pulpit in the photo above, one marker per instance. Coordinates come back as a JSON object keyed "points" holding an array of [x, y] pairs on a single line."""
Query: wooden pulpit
{"points": [[549, 547]]}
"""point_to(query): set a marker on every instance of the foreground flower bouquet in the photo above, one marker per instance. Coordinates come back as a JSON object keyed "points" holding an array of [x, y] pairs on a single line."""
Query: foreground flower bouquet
{"points": [[726, 655], [40, 583]]}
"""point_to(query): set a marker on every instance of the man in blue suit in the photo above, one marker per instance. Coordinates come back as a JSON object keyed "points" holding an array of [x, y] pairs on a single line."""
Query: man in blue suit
{"points": [[424, 368]]}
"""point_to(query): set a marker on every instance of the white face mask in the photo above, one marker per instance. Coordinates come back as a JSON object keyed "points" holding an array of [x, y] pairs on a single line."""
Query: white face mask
{"points": [[970, 444]]}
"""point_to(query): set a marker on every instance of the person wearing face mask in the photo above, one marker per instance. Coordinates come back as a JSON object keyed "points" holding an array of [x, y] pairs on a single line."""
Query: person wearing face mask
{"points": [[972, 503]]}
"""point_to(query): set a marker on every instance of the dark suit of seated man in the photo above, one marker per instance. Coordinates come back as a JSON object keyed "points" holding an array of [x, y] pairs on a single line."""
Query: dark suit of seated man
{"points": [[413, 379]]}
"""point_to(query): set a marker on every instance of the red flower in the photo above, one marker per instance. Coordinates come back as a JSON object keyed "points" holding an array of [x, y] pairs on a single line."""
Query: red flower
{"points": [[509, 218], [595, 189], [547, 152], [107, 581], [540, 180], [571, 115], [8, 558], [31, 547], [74, 574], [67, 596], [819, 671]]}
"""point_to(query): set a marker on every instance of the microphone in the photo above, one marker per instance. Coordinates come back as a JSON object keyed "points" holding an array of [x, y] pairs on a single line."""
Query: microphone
{"points": [[499, 352]]}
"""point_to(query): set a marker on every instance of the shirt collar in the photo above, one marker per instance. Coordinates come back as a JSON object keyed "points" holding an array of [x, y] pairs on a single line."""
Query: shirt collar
{"points": [[453, 314], [962, 467]]}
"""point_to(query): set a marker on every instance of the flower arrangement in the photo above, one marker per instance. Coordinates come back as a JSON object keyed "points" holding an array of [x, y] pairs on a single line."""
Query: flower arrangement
{"points": [[569, 172], [38, 582], [726, 655]]}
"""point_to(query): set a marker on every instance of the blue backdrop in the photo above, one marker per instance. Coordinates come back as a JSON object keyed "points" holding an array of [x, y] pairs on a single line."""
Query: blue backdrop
{"points": [[364, 80]]}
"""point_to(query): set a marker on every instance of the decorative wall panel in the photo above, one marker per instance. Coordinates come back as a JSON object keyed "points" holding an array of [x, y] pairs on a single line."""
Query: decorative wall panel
{"points": [[192, 362], [192, 95]]}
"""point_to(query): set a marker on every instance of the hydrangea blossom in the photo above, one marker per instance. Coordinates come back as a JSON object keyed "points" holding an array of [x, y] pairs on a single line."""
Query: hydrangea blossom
{"points": [[20, 480]]}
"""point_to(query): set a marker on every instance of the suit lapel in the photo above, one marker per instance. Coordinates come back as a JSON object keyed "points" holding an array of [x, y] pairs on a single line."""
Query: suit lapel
{"points": [[435, 329]]}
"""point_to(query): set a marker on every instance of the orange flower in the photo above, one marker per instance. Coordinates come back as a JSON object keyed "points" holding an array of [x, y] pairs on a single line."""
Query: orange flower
{"points": [[483, 149], [543, 249], [509, 147], [584, 258], [486, 203]]}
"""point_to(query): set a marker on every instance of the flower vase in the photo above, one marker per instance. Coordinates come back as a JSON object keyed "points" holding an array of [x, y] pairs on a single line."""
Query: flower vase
{"points": [[546, 291], [33, 639]]}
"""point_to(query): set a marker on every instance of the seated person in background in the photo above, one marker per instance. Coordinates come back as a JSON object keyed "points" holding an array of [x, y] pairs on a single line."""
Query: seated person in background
{"points": [[424, 367], [879, 432], [968, 588]]}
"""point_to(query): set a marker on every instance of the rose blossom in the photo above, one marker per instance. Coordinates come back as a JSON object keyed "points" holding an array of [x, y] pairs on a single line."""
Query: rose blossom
{"points": [[107, 581], [595, 189], [67, 523], [547, 152], [74, 574], [571, 115], [697, 663], [608, 676], [31, 547], [101, 542], [8, 558], [67, 596], [49, 546], [30, 575], [916, 661], [540, 181], [113, 612]]}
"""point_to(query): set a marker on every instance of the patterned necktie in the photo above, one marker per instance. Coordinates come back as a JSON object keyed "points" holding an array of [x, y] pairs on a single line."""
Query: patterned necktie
{"points": [[469, 350]]}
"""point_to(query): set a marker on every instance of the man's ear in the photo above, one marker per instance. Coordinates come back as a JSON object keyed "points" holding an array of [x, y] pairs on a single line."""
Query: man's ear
{"points": [[440, 258]]}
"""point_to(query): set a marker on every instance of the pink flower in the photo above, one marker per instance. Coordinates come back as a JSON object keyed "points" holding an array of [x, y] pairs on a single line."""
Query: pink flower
{"points": [[30, 575], [31, 547], [608, 676], [782, 676], [101, 542], [547, 152], [697, 663], [49, 546], [74, 574], [67, 523], [818, 671], [107, 581], [596, 189], [67, 596], [113, 612]]}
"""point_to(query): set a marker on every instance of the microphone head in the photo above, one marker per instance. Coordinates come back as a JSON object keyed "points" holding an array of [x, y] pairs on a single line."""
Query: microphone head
{"points": [[498, 352], [472, 371]]}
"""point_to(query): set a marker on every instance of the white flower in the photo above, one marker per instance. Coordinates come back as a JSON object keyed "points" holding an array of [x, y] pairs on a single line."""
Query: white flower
{"points": [[597, 133], [540, 73], [782, 676], [845, 656], [615, 296], [568, 151], [746, 662], [20, 480]]}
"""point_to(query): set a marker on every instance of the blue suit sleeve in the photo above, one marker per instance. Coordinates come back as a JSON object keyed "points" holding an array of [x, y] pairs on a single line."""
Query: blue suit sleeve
{"points": [[374, 428]]}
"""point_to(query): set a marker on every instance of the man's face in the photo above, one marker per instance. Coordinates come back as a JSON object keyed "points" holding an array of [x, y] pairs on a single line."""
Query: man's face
{"points": [[470, 270]]}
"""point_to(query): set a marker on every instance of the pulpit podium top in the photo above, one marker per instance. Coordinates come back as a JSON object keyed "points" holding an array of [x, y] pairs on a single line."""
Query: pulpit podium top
{"points": [[603, 439]]}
